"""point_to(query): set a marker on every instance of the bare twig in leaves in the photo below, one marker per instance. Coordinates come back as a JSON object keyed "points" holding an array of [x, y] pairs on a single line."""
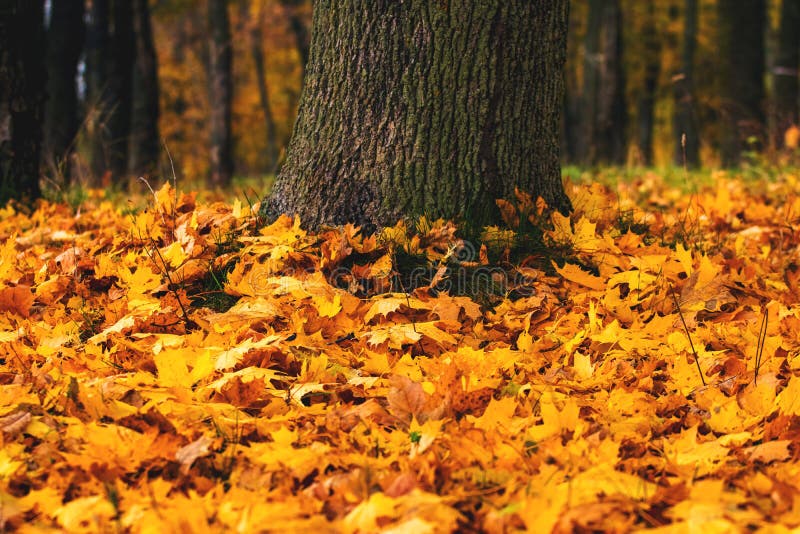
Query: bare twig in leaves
{"points": [[688, 335], [762, 338]]}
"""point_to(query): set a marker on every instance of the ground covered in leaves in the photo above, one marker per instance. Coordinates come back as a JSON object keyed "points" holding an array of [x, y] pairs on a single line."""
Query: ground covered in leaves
{"points": [[187, 367]]}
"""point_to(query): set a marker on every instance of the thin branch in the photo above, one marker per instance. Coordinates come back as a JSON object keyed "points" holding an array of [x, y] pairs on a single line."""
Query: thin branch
{"points": [[688, 335], [762, 338]]}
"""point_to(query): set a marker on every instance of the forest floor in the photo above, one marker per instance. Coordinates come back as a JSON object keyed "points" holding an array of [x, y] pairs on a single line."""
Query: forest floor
{"points": [[186, 367]]}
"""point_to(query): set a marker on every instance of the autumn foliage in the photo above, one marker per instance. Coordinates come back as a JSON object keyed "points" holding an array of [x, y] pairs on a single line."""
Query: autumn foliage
{"points": [[188, 367]]}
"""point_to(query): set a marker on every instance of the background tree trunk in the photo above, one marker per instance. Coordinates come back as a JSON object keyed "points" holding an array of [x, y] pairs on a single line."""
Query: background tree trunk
{"points": [[787, 66], [299, 27], [144, 146], [65, 37], [22, 93], [603, 99], [652, 70], [256, 37], [684, 118], [741, 42], [421, 107], [110, 54], [220, 85], [120, 88], [97, 66]]}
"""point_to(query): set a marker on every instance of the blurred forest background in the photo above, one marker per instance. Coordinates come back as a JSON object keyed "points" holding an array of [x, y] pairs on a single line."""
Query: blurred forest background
{"points": [[215, 85]]}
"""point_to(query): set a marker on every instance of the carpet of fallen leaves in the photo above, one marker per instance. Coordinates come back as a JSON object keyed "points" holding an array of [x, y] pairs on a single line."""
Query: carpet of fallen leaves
{"points": [[180, 368]]}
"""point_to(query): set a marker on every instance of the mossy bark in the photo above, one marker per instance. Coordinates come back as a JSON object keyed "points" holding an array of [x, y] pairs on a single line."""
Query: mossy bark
{"points": [[426, 107]]}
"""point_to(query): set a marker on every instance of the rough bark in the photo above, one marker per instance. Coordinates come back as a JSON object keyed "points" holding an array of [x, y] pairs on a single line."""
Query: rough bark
{"points": [[256, 37], [22, 93], [65, 37], [603, 98], [687, 142], [220, 89], [652, 70], [741, 41], [421, 107], [785, 74], [144, 148]]}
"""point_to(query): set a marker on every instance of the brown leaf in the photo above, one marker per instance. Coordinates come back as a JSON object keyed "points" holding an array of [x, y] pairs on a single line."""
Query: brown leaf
{"points": [[17, 299], [406, 397], [15, 422]]}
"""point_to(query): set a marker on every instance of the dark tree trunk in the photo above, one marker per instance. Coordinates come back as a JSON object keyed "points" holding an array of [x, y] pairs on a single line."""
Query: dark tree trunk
{"points": [[687, 143], [741, 41], [603, 99], [144, 146], [98, 51], [652, 70], [257, 52], [786, 68], [64, 46], [22, 93], [220, 89], [421, 107], [110, 56], [299, 28], [120, 88], [571, 112]]}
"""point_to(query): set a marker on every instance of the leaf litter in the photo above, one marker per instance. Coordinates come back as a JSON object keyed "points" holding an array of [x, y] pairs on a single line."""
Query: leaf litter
{"points": [[186, 368]]}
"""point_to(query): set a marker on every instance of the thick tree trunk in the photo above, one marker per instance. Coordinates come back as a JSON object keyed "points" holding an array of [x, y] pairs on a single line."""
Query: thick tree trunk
{"points": [[22, 93], [652, 70], [220, 89], [420, 107], [741, 39], [64, 46], [687, 143], [144, 146], [787, 67], [603, 99], [257, 52]]}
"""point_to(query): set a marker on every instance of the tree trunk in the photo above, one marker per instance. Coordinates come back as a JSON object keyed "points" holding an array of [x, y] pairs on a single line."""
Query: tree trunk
{"points": [[120, 88], [741, 42], [687, 143], [144, 145], [652, 70], [603, 109], [571, 142], [787, 67], [98, 50], [110, 56], [220, 85], [257, 52], [22, 93], [299, 28], [419, 107], [64, 46]]}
